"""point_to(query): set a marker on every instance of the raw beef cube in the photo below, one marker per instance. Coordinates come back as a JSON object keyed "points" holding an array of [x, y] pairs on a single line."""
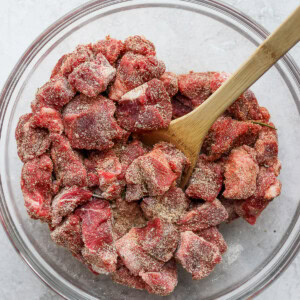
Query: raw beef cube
{"points": [[99, 244], [92, 78], [176, 159], [126, 215], [266, 145], [66, 201], [90, 123], [133, 71], [68, 166], [56, 93], [163, 282], [226, 134], [70, 61], [179, 109], [110, 48], [134, 257], [36, 185], [268, 187], [146, 107], [170, 82], [106, 167], [169, 207], [158, 239], [139, 45], [195, 86], [230, 208], [48, 118], [213, 235], [265, 114], [241, 171], [245, 107], [31, 142], [203, 216], [206, 180], [68, 234], [124, 277], [149, 174], [196, 255]]}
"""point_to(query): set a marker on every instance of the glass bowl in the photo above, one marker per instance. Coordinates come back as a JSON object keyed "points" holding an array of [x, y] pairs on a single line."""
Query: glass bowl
{"points": [[189, 35]]}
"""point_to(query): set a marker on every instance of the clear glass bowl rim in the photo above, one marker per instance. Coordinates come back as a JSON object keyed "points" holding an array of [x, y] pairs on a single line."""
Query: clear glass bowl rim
{"points": [[265, 279]]}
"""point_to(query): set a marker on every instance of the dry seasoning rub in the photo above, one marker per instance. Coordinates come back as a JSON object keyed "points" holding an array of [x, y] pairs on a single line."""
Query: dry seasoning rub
{"points": [[114, 202]]}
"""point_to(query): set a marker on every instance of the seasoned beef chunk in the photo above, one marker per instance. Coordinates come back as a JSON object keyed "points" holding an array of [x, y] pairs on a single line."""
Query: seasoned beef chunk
{"points": [[203, 216], [158, 239], [170, 82], [144, 108], [226, 134], [268, 187], [66, 201], [139, 45], [179, 109], [32, 142], [110, 48], [133, 71], [163, 282], [36, 185], [56, 93], [126, 216], [68, 166], [169, 207], [241, 171], [230, 208], [92, 78], [206, 180], [90, 123], [68, 234], [196, 255], [99, 244]]}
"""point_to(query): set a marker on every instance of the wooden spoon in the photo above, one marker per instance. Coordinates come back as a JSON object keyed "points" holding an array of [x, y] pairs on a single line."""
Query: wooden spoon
{"points": [[188, 132]]}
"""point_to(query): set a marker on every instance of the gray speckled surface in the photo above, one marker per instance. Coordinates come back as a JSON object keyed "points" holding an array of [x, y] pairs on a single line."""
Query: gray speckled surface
{"points": [[21, 21]]}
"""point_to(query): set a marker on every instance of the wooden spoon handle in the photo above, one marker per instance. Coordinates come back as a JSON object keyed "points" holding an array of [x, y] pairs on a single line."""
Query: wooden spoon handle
{"points": [[265, 56]]}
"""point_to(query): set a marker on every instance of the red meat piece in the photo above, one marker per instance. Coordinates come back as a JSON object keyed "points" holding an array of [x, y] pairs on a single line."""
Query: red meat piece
{"points": [[213, 235], [56, 93], [48, 118], [195, 86], [158, 239], [133, 71], [266, 145], [226, 134], [134, 257], [146, 107], [110, 48], [197, 255], [170, 82], [36, 185], [241, 171], [31, 142], [66, 201], [68, 62], [92, 78], [126, 215], [179, 109], [90, 123], [124, 277], [169, 207], [68, 166], [163, 282], [268, 187], [139, 45], [217, 80], [265, 114], [149, 174], [68, 234], [203, 216], [97, 235], [206, 180], [230, 208]]}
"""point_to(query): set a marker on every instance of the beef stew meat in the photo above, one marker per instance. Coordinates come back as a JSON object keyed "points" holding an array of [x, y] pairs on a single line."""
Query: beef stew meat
{"points": [[115, 203]]}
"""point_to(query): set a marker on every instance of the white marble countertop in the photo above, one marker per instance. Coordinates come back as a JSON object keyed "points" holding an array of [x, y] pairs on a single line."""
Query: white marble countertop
{"points": [[21, 21]]}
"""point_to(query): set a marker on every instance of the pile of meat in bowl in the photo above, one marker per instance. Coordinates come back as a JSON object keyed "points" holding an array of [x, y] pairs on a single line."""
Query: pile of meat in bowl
{"points": [[115, 203]]}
